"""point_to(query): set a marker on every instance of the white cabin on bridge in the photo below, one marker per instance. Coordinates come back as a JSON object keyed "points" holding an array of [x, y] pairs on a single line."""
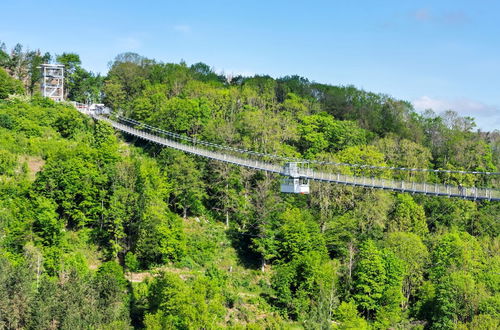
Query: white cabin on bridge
{"points": [[293, 182]]}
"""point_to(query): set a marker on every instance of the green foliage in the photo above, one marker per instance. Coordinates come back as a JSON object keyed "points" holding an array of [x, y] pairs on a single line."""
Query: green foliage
{"points": [[408, 154], [73, 180], [369, 278], [457, 299], [409, 248], [29, 300], [187, 305], [340, 233], [111, 283], [451, 213], [202, 244], [347, 315], [456, 251], [297, 283], [131, 262], [46, 224], [9, 85], [185, 176], [8, 162], [76, 202], [408, 216], [298, 235], [367, 155], [322, 133], [16, 294], [181, 115], [160, 238]]}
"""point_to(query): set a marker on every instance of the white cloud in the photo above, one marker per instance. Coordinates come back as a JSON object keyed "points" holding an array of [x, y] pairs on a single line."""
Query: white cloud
{"points": [[487, 116], [449, 17], [182, 28]]}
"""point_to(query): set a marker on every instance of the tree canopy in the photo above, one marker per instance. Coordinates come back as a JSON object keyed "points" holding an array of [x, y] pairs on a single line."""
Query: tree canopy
{"points": [[102, 230]]}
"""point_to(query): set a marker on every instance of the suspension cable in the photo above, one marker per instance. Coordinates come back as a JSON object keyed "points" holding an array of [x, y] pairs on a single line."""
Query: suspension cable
{"points": [[301, 160]]}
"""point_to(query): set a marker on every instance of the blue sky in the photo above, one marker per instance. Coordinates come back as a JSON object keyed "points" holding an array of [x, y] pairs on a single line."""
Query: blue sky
{"points": [[437, 54]]}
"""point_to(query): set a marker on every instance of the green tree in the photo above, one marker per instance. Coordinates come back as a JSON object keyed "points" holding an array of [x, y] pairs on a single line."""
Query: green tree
{"points": [[8, 162], [322, 133], [16, 294], [226, 192], [455, 251], [186, 178], [408, 154], [71, 62], [74, 182], [181, 115], [457, 299], [390, 314], [369, 279], [35, 59], [184, 305], [408, 216], [347, 315], [297, 283], [160, 234], [415, 257], [298, 234], [111, 288], [47, 223], [9, 85]]}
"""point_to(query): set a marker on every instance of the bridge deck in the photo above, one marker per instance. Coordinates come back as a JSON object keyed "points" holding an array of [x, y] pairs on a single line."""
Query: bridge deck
{"points": [[472, 193]]}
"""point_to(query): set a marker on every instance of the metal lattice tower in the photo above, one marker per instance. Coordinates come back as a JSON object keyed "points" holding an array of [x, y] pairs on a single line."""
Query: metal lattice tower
{"points": [[52, 81]]}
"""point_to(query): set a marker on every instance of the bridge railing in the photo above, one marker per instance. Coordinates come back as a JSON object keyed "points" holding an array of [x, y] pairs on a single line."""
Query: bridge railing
{"points": [[411, 187], [309, 173]]}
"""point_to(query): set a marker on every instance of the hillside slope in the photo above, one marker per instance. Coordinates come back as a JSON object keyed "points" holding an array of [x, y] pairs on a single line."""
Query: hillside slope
{"points": [[102, 230]]}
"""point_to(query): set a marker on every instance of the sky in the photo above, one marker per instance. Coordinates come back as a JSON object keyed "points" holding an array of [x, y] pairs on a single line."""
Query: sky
{"points": [[437, 54]]}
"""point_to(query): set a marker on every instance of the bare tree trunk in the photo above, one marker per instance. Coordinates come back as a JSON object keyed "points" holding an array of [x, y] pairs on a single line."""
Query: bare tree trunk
{"points": [[227, 211], [38, 270], [350, 264], [331, 301]]}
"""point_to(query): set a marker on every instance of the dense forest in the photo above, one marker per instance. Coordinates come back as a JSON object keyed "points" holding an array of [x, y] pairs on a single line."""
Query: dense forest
{"points": [[101, 230]]}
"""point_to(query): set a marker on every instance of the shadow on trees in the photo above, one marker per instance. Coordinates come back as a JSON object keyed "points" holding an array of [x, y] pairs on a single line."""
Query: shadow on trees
{"points": [[241, 242]]}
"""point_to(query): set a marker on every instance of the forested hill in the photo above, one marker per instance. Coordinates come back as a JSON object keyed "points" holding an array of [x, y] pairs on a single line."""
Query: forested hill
{"points": [[100, 230]]}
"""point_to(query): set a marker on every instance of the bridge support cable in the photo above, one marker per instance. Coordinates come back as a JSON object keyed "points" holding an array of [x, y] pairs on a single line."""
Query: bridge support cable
{"points": [[432, 189]]}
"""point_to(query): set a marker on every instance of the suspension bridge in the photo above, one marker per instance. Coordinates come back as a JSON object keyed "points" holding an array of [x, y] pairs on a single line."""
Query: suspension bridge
{"points": [[296, 177]]}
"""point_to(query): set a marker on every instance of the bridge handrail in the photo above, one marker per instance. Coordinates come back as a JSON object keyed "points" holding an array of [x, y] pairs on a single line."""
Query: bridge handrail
{"points": [[301, 160], [434, 189]]}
